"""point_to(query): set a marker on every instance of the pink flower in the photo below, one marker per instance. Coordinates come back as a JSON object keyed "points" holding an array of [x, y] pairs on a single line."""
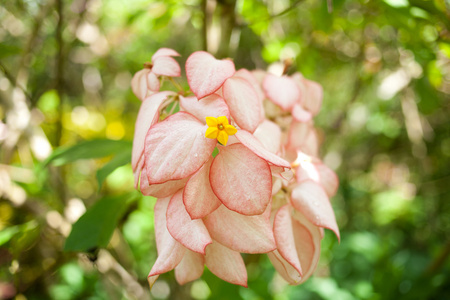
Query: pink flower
{"points": [[148, 115], [229, 180], [220, 260], [239, 176], [145, 82], [297, 95], [298, 245]]}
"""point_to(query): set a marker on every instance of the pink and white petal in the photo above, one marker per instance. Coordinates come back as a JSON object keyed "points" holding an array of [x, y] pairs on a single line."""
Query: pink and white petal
{"points": [[269, 134], [219, 92], [209, 106], [153, 82], [297, 135], [176, 148], [247, 234], [259, 75], [284, 268], [192, 234], [232, 140], [247, 75], [312, 96], [252, 143], [190, 268], [166, 66], [164, 52], [300, 114], [310, 199], [147, 116], [285, 176], [198, 197], [137, 170], [328, 179], [320, 173], [139, 83], [243, 102], [277, 185], [289, 154], [160, 190], [307, 239], [276, 169], [284, 237], [226, 264], [306, 169], [168, 259], [162, 235], [206, 74], [241, 180], [311, 145], [282, 91], [170, 252]]}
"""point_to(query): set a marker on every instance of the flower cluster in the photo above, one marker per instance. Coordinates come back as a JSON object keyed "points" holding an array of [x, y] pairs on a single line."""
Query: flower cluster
{"points": [[235, 170]]}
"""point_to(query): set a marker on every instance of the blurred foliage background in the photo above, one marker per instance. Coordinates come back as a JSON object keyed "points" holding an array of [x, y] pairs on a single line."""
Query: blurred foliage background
{"points": [[67, 120]]}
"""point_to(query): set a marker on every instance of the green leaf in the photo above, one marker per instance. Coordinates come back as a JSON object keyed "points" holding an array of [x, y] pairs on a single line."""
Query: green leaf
{"points": [[87, 150], [119, 160], [95, 228], [7, 233], [8, 50], [215, 152], [16, 232]]}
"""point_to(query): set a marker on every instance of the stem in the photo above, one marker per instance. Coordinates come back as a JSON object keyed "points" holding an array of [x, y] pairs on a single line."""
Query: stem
{"points": [[59, 70], [205, 24], [176, 84], [330, 6], [439, 261], [228, 22], [174, 105], [283, 12], [14, 81]]}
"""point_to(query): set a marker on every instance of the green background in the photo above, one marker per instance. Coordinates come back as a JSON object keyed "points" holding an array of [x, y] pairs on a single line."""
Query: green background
{"points": [[65, 71]]}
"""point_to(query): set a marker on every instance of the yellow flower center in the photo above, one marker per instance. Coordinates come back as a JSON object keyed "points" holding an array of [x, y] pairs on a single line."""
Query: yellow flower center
{"points": [[219, 128]]}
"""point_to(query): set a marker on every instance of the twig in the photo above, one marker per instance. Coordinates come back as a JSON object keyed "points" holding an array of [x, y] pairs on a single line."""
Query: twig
{"points": [[271, 17], [439, 261], [13, 81], [176, 84], [330, 6], [228, 23], [30, 46], [59, 66], [133, 287], [205, 24], [285, 11]]}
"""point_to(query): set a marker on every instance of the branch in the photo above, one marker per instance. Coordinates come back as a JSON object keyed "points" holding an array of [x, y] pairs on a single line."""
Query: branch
{"points": [[439, 261], [13, 81], [205, 24], [228, 23], [292, 7], [271, 17], [59, 66], [330, 6]]}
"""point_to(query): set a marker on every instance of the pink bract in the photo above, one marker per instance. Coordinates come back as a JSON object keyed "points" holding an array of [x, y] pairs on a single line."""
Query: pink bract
{"points": [[205, 74]]}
